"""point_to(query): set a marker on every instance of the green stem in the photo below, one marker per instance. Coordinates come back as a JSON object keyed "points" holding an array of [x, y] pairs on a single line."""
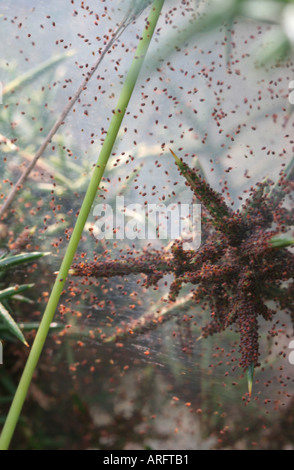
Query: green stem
{"points": [[56, 292]]}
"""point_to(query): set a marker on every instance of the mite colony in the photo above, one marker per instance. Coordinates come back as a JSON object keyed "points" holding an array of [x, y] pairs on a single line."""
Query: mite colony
{"points": [[236, 270]]}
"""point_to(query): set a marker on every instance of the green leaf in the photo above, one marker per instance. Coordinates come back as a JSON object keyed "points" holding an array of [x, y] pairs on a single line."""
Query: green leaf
{"points": [[280, 241], [11, 261], [9, 322], [3, 254], [11, 291], [22, 298], [28, 326]]}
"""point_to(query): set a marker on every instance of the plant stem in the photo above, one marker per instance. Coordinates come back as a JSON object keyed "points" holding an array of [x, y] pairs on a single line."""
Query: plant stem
{"points": [[56, 292]]}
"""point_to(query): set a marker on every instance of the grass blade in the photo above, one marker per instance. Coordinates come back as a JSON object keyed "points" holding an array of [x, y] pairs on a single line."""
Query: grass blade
{"points": [[11, 291], [12, 261], [11, 325]]}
